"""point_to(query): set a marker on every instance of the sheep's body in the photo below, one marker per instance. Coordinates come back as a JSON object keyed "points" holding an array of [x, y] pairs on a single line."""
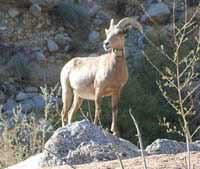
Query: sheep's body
{"points": [[108, 72]]}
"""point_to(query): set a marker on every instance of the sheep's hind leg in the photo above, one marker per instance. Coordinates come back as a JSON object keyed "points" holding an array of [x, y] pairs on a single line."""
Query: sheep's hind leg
{"points": [[75, 106]]}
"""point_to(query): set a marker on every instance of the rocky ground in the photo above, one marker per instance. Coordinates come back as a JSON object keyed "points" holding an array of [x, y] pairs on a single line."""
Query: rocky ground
{"points": [[163, 161], [83, 142]]}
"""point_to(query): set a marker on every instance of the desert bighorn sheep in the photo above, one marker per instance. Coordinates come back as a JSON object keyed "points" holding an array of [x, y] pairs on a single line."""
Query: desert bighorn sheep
{"points": [[95, 77]]}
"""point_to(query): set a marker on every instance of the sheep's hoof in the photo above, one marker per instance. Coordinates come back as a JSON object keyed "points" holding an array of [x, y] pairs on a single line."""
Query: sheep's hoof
{"points": [[116, 133]]}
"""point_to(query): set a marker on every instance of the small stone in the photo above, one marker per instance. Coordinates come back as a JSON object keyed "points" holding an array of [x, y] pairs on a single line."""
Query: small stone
{"points": [[52, 46], [13, 13], [9, 106], [35, 10], [101, 18], [3, 26], [67, 48], [62, 39], [40, 57]]}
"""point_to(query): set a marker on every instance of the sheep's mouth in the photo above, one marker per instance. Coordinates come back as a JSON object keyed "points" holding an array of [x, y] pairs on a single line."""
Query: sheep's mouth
{"points": [[107, 47]]}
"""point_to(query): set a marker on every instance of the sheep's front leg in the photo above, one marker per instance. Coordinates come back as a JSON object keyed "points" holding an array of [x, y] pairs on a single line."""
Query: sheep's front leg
{"points": [[98, 100], [115, 105]]}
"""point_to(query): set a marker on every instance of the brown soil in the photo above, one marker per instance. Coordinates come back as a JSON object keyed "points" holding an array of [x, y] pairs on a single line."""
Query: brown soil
{"points": [[153, 162]]}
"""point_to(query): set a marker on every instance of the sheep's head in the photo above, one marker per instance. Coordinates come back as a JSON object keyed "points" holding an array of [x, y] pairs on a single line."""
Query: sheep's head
{"points": [[115, 34]]}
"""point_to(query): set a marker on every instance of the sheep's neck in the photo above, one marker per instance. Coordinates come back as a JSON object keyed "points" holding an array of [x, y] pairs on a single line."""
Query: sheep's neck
{"points": [[118, 52]]}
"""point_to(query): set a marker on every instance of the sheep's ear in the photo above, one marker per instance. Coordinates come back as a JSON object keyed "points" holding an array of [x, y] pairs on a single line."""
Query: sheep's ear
{"points": [[106, 30]]}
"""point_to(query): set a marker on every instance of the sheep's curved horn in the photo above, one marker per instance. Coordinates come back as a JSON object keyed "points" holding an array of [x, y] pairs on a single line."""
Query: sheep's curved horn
{"points": [[111, 23], [128, 22]]}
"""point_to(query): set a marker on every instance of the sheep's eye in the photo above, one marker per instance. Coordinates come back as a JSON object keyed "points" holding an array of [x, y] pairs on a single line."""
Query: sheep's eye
{"points": [[126, 34]]}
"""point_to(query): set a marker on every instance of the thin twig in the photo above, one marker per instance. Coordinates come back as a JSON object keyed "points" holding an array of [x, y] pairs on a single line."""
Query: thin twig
{"points": [[197, 129], [140, 139], [120, 161]]}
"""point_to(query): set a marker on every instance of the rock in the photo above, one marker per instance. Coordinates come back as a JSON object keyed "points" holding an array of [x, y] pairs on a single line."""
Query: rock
{"points": [[31, 101], [93, 36], [158, 12], [35, 10], [52, 46], [31, 89], [33, 161], [2, 97], [91, 151], [8, 88], [22, 96], [39, 102], [3, 25], [101, 18], [31, 69], [40, 57], [26, 105], [83, 142], [197, 143], [166, 146], [149, 2], [9, 106], [66, 49], [13, 12], [47, 4], [62, 39]]}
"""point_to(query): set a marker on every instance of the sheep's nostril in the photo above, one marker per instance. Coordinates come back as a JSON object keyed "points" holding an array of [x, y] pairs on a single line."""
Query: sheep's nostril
{"points": [[106, 43]]}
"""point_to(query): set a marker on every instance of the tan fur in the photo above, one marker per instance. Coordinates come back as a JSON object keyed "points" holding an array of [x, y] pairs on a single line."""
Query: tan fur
{"points": [[95, 77]]}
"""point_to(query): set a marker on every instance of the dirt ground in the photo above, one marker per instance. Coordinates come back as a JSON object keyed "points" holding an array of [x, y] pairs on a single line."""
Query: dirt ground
{"points": [[153, 162]]}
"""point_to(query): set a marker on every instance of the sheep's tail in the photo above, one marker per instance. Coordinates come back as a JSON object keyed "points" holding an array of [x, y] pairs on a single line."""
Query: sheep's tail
{"points": [[67, 94]]}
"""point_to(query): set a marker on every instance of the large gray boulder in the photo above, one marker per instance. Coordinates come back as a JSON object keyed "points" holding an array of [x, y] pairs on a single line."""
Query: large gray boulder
{"points": [[78, 143], [83, 142], [166, 146]]}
